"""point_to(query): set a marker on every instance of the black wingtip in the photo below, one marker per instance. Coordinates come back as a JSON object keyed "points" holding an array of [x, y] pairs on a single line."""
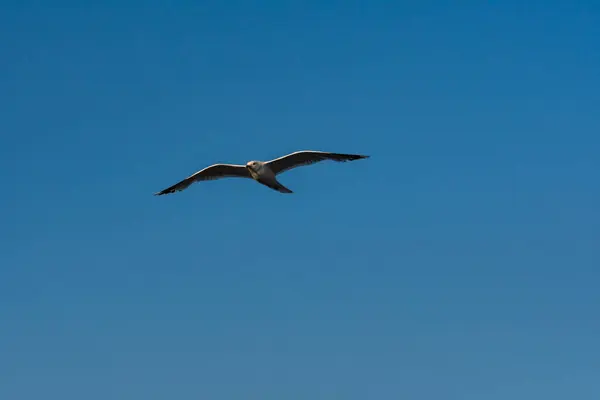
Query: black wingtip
{"points": [[352, 157], [170, 189]]}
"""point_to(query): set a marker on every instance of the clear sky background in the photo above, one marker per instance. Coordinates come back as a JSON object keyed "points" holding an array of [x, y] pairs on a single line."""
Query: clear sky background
{"points": [[459, 262]]}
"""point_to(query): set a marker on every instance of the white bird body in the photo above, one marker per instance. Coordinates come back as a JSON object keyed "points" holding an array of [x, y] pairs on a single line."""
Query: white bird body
{"points": [[264, 172]]}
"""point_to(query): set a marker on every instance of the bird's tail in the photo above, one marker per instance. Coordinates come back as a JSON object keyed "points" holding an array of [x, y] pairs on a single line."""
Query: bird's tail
{"points": [[283, 189], [280, 188], [275, 185]]}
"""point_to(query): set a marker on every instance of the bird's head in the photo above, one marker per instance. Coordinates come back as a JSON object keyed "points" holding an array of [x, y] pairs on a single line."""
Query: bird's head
{"points": [[252, 165]]}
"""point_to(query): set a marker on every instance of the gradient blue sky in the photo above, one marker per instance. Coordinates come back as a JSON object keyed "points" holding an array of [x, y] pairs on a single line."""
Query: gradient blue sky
{"points": [[459, 262]]}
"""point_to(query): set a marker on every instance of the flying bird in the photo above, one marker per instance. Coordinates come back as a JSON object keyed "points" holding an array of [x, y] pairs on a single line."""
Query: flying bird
{"points": [[264, 172]]}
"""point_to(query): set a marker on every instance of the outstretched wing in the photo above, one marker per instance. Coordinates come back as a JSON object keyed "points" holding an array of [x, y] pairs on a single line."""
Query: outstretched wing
{"points": [[216, 171], [300, 158]]}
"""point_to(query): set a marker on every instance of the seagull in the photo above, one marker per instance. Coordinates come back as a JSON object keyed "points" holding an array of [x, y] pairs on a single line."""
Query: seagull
{"points": [[264, 172]]}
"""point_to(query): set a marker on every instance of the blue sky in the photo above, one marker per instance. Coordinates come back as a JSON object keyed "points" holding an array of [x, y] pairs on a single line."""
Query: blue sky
{"points": [[459, 262]]}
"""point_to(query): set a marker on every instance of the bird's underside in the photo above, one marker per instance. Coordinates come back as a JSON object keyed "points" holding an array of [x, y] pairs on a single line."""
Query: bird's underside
{"points": [[263, 172]]}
